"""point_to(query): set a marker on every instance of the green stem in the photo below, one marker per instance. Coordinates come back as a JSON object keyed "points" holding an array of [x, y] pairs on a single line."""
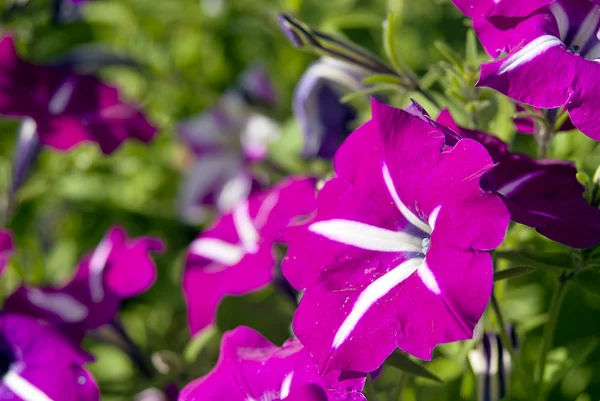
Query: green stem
{"points": [[548, 337], [402, 383], [521, 373]]}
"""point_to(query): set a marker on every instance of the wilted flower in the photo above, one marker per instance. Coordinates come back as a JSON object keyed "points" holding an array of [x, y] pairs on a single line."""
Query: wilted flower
{"points": [[235, 256], [226, 140], [324, 119], [492, 365], [67, 108], [6, 248], [543, 194], [396, 253], [251, 368], [37, 363], [117, 269], [552, 54]]}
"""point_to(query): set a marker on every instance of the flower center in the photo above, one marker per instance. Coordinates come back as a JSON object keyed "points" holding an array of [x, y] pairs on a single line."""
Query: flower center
{"points": [[7, 357], [582, 38]]}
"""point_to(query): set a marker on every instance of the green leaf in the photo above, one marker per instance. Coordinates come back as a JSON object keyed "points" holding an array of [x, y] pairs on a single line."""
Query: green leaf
{"points": [[449, 54], [471, 49], [564, 359], [383, 79], [389, 41], [541, 260], [402, 361], [513, 272], [197, 343], [588, 280]]}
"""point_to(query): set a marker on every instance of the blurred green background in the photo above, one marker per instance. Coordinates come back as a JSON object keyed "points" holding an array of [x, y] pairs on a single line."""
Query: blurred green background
{"points": [[191, 51]]}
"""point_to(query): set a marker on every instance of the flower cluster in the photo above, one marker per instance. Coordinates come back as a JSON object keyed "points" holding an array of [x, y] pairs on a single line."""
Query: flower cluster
{"points": [[390, 252]]}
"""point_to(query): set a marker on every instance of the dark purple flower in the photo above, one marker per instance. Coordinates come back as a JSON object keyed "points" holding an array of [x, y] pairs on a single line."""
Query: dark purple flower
{"points": [[324, 119], [251, 368], [7, 246], [396, 255], [67, 108], [226, 139], [257, 87], [492, 365], [117, 269], [543, 194], [553, 49], [38, 364], [234, 256]]}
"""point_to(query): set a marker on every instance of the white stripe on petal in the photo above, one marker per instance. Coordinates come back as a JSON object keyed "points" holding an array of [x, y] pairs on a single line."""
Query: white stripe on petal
{"points": [[513, 186], [426, 275], [217, 250], [245, 227], [366, 236], [594, 52], [586, 30], [433, 217], [266, 208], [373, 293], [535, 48], [23, 388], [97, 265], [64, 306], [410, 216], [562, 19], [234, 190], [285, 385], [60, 99]]}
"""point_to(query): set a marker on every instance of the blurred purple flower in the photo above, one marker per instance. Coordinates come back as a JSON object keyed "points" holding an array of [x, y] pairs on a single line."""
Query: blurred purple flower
{"points": [[67, 108], [235, 256], [26, 152], [552, 53], [226, 139], [492, 365], [252, 368], [38, 363], [404, 223], [119, 268], [7, 246], [323, 117], [543, 194]]}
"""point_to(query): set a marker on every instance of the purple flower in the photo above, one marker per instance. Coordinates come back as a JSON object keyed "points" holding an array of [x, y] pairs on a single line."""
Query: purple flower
{"points": [[226, 139], [491, 363], [6, 248], [552, 58], [251, 368], [26, 152], [117, 269], [37, 363], [396, 255], [67, 108], [543, 194], [234, 256], [323, 118]]}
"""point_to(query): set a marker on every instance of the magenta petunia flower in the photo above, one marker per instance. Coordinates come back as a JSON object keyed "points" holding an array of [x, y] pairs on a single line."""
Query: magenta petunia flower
{"points": [[251, 368], [226, 139], [7, 246], [67, 108], [553, 54], [119, 268], [543, 194], [396, 255], [234, 256], [37, 363]]}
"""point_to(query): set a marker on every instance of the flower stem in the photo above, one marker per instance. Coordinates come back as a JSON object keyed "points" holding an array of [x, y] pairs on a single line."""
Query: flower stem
{"points": [[521, 373], [548, 337]]}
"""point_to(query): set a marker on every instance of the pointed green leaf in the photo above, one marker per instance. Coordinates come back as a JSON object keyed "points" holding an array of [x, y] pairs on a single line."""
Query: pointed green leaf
{"points": [[383, 79], [542, 260], [448, 54], [197, 343], [471, 51], [402, 361], [513, 272]]}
